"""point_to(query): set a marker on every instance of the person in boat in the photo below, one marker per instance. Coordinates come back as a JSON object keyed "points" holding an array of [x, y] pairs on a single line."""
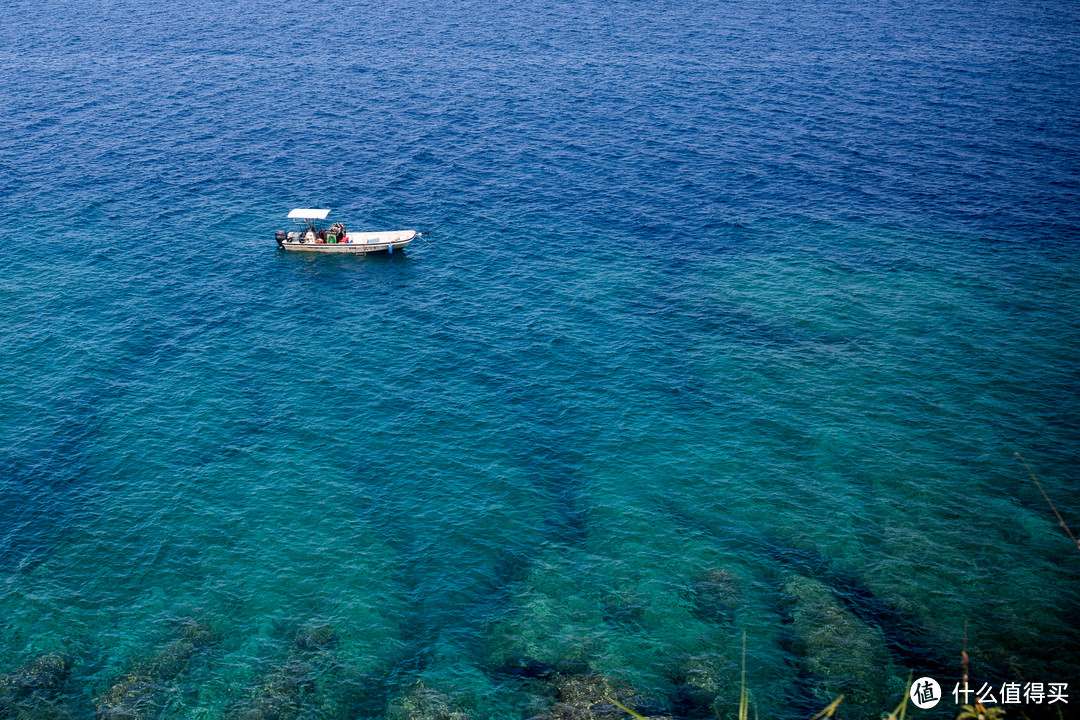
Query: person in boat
{"points": [[338, 231]]}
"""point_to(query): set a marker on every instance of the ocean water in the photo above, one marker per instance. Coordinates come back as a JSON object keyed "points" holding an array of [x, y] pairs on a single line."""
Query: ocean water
{"points": [[728, 321]]}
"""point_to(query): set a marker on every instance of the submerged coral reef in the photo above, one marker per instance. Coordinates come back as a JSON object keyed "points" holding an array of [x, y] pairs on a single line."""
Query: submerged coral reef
{"points": [[285, 692], [424, 703], [141, 693], [35, 689]]}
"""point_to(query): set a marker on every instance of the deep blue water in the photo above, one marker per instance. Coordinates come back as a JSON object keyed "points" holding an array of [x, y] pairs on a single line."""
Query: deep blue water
{"points": [[727, 317]]}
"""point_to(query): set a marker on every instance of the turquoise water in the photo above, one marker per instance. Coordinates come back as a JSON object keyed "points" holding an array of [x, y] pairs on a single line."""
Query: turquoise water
{"points": [[727, 319]]}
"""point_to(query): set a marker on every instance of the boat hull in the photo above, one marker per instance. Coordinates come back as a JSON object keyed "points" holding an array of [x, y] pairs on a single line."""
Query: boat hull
{"points": [[356, 243], [352, 248]]}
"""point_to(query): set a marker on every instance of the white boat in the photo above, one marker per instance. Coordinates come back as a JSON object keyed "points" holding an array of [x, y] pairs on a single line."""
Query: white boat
{"points": [[310, 233]]}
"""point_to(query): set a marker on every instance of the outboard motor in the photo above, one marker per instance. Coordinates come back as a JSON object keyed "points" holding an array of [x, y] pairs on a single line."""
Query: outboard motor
{"points": [[280, 236]]}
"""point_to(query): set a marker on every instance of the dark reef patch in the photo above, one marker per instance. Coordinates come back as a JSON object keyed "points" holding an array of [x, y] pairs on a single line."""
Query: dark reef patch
{"points": [[141, 693], [35, 690], [308, 682], [716, 596]]}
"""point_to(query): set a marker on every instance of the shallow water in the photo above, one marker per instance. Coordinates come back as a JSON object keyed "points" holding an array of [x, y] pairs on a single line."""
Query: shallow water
{"points": [[727, 318]]}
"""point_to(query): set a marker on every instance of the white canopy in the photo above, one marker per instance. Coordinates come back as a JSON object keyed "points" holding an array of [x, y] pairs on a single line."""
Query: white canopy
{"points": [[309, 214]]}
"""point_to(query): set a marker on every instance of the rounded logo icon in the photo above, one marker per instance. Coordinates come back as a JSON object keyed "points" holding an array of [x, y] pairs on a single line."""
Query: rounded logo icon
{"points": [[925, 693]]}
